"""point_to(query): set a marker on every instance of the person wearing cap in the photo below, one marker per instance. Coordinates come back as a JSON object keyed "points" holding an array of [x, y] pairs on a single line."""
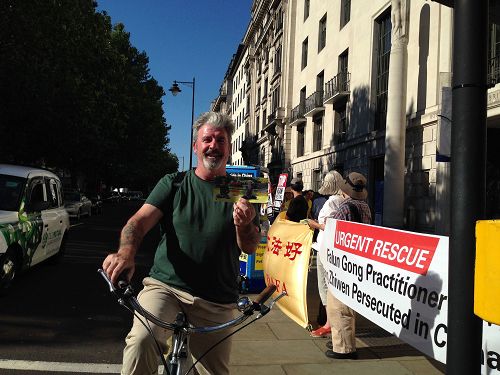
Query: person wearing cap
{"points": [[341, 317], [331, 188], [297, 210]]}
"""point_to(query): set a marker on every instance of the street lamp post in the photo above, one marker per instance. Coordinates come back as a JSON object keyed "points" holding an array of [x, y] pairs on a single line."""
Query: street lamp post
{"points": [[175, 89], [182, 162]]}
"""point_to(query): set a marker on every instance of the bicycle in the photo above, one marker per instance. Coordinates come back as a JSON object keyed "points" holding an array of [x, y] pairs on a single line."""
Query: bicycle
{"points": [[181, 327]]}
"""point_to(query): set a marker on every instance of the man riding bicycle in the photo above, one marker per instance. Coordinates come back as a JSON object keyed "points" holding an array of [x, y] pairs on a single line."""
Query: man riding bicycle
{"points": [[196, 263]]}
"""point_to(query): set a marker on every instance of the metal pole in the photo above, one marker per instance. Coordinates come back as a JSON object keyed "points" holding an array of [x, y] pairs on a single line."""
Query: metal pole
{"points": [[191, 130], [468, 181]]}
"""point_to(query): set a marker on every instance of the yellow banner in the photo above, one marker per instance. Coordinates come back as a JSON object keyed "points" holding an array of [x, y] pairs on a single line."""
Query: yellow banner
{"points": [[487, 275], [286, 263]]}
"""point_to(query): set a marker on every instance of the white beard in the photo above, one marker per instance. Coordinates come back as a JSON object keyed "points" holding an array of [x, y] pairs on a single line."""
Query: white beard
{"points": [[212, 163]]}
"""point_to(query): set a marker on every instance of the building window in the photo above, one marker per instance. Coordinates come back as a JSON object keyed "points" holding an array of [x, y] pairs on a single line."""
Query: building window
{"points": [[264, 95], [305, 45], [264, 119], [302, 99], [320, 82], [345, 12], [257, 124], [383, 26], [318, 133], [494, 54], [279, 21], [277, 60], [316, 180], [275, 99], [307, 4], [300, 140], [258, 96], [322, 34], [344, 62], [341, 116]]}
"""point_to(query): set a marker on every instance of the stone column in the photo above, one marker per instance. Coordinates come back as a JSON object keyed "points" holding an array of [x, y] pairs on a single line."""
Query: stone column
{"points": [[395, 133]]}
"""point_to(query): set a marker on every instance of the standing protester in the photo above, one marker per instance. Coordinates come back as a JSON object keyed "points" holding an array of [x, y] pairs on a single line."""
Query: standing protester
{"points": [[297, 209], [331, 188], [309, 194], [341, 317], [317, 205], [288, 198], [196, 263]]}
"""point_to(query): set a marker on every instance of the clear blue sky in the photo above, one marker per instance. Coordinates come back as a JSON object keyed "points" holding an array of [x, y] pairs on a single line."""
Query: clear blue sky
{"points": [[184, 39]]}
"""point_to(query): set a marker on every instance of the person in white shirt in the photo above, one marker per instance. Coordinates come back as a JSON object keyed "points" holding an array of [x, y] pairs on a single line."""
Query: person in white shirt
{"points": [[330, 187]]}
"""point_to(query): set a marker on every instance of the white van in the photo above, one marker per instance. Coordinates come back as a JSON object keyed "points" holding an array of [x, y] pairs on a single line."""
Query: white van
{"points": [[33, 221]]}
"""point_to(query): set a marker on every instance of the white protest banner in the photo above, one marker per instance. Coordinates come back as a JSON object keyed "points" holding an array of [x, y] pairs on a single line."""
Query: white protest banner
{"points": [[490, 358], [398, 280], [280, 191], [269, 206]]}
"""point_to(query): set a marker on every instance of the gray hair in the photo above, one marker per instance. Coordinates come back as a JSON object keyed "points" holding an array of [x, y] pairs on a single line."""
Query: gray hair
{"points": [[331, 183], [215, 119]]}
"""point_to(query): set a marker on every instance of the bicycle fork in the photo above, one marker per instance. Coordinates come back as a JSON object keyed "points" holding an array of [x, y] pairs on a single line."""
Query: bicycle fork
{"points": [[178, 356]]}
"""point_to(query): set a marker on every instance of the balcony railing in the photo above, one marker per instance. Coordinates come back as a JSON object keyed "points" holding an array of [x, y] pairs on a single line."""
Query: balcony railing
{"points": [[337, 87], [277, 114], [314, 103], [275, 118], [297, 114], [494, 71]]}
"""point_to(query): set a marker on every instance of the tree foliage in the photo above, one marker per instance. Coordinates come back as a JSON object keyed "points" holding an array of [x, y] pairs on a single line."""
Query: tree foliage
{"points": [[76, 95]]}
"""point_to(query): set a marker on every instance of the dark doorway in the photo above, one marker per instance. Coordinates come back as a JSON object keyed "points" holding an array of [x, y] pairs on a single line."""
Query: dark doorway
{"points": [[493, 174], [376, 186]]}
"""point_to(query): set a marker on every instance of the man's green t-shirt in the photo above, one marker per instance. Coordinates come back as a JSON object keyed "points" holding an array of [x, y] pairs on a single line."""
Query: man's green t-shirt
{"points": [[198, 251]]}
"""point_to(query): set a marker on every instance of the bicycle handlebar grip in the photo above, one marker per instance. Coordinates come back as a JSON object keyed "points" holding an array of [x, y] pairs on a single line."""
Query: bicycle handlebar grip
{"points": [[265, 294]]}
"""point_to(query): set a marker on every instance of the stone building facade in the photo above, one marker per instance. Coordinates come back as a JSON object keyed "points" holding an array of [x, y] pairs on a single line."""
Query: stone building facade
{"points": [[357, 81]]}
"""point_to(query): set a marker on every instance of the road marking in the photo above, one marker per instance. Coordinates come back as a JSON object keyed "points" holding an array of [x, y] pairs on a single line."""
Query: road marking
{"points": [[75, 225], [87, 368]]}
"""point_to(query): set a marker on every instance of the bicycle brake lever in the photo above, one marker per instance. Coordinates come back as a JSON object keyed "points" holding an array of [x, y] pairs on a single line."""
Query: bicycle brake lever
{"points": [[265, 309], [107, 279], [124, 288]]}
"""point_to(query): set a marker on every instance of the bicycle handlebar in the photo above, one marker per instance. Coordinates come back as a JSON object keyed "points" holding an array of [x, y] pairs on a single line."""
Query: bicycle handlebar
{"points": [[125, 294], [265, 294]]}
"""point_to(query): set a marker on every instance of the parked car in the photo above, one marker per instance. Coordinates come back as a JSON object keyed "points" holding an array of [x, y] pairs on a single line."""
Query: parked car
{"points": [[77, 204], [33, 222], [112, 197], [96, 201], [135, 195]]}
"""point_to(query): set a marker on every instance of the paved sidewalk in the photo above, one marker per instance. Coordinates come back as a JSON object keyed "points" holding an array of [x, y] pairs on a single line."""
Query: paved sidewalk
{"points": [[276, 345]]}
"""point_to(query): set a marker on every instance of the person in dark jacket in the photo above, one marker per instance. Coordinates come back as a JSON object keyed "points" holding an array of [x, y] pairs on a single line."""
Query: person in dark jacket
{"points": [[297, 210]]}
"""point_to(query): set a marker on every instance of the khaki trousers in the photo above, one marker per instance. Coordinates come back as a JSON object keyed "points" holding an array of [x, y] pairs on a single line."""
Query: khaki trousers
{"points": [[140, 356], [342, 320]]}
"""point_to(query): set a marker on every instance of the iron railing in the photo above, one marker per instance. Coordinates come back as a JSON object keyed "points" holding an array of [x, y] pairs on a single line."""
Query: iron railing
{"points": [[298, 112], [494, 71], [338, 84], [314, 100]]}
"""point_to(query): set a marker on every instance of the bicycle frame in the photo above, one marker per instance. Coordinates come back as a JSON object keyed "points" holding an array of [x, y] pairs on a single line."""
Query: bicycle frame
{"points": [[181, 328]]}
